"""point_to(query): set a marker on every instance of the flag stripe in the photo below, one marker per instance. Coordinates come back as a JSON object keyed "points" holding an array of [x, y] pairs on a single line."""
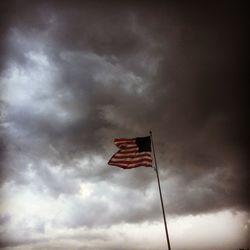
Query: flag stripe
{"points": [[131, 161], [123, 140], [128, 156], [131, 165], [128, 161], [131, 158], [132, 146], [132, 155], [127, 144]]}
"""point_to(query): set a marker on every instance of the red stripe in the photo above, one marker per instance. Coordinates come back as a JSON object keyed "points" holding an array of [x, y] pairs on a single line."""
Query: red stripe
{"points": [[129, 148], [123, 140], [130, 156], [131, 161], [124, 166], [124, 143]]}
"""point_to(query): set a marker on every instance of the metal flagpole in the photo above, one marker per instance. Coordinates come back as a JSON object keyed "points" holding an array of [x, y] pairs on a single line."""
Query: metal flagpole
{"points": [[159, 185]]}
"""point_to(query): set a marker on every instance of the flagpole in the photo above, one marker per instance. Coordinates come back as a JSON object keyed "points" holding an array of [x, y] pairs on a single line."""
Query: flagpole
{"points": [[159, 185]]}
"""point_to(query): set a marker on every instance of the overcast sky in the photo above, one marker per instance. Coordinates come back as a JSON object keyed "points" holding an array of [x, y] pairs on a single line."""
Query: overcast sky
{"points": [[74, 75]]}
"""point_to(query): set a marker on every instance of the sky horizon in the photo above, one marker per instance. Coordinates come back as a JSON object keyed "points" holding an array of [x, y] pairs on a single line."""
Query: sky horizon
{"points": [[74, 75]]}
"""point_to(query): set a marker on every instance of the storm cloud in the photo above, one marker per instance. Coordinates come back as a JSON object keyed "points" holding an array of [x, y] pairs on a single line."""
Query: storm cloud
{"points": [[75, 75]]}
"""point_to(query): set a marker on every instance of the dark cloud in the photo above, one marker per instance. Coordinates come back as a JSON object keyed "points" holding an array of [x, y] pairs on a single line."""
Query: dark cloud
{"points": [[119, 69]]}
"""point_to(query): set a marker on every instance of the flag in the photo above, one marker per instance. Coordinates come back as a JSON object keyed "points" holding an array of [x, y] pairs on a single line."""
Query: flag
{"points": [[132, 153]]}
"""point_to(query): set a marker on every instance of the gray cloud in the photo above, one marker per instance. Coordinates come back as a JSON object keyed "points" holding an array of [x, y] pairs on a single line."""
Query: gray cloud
{"points": [[75, 75]]}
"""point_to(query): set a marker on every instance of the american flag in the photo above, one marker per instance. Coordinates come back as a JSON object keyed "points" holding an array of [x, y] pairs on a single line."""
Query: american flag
{"points": [[132, 153]]}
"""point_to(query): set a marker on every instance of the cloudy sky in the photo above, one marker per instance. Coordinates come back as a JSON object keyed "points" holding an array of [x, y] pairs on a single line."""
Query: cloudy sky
{"points": [[76, 74]]}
